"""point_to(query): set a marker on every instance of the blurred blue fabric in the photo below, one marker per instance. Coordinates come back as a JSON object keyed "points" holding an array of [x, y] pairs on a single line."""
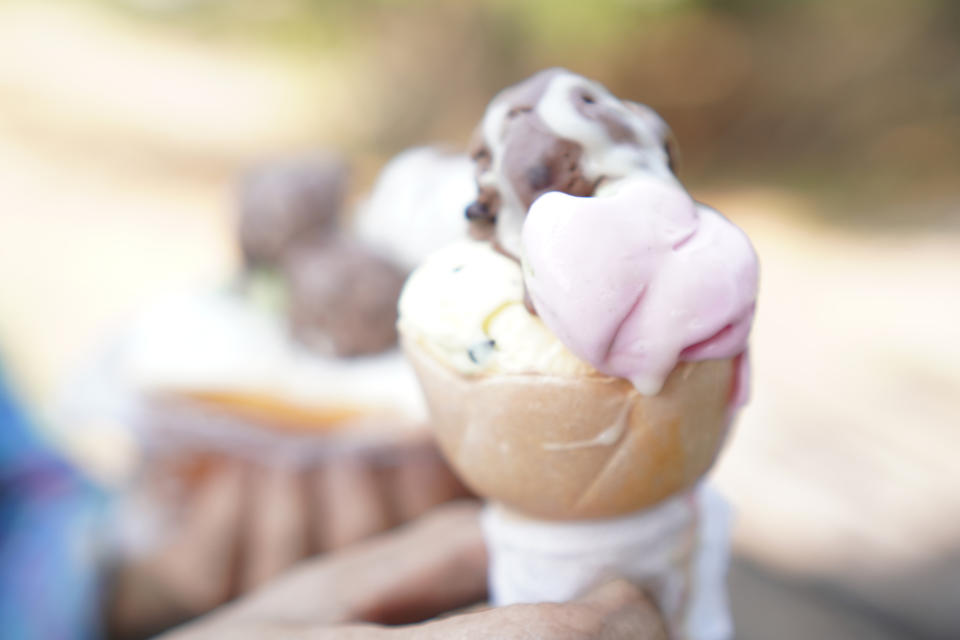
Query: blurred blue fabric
{"points": [[49, 513]]}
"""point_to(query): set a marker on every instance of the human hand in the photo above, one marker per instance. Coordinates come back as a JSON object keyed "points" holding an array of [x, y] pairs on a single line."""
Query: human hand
{"points": [[225, 525], [426, 568]]}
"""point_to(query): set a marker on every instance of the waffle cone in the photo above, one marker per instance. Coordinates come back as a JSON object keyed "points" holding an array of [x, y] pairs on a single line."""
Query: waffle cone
{"points": [[577, 448]]}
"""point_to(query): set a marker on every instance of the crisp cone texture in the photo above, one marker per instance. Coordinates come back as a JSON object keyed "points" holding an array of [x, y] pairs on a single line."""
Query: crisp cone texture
{"points": [[509, 436]]}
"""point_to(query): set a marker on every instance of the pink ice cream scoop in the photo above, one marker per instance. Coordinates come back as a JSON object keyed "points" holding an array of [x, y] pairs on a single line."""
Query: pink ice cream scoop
{"points": [[639, 279]]}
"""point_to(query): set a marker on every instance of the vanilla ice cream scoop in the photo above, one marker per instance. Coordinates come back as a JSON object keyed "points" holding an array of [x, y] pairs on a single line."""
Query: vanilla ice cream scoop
{"points": [[464, 305], [639, 279]]}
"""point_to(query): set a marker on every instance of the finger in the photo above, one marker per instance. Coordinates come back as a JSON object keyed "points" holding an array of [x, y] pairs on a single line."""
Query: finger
{"points": [[198, 562], [429, 566], [420, 481], [615, 611], [436, 564], [206, 629], [348, 503], [191, 572], [614, 594], [276, 529], [626, 611]]}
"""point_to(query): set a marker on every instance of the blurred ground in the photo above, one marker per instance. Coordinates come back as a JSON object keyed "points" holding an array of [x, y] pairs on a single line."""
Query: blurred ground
{"points": [[118, 144]]}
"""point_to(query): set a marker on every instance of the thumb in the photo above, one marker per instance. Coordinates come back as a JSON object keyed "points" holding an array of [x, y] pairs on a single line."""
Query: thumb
{"points": [[617, 610], [625, 611]]}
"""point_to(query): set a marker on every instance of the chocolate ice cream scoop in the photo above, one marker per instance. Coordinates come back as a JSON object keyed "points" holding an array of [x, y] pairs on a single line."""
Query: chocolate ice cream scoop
{"points": [[342, 296], [557, 131], [285, 200]]}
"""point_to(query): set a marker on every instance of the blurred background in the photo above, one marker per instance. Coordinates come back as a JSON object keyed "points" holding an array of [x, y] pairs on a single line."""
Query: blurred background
{"points": [[829, 130]]}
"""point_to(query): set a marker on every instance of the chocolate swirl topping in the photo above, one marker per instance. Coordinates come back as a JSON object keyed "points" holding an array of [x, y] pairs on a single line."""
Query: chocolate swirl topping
{"points": [[557, 131]]}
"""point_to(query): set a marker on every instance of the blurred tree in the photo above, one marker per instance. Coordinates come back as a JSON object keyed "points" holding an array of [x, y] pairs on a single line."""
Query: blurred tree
{"points": [[855, 99]]}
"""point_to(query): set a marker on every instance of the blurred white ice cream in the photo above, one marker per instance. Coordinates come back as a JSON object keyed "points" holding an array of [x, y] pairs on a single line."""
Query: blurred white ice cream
{"points": [[417, 205]]}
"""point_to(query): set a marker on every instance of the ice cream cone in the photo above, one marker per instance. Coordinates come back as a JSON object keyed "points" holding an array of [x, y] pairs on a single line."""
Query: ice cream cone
{"points": [[583, 359], [578, 447]]}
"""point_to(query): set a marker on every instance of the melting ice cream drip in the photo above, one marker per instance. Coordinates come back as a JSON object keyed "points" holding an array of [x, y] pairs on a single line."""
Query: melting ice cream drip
{"points": [[638, 280], [607, 437]]}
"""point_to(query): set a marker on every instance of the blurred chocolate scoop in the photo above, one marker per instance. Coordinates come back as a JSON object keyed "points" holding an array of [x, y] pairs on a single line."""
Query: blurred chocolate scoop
{"points": [[342, 295], [284, 201]]}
